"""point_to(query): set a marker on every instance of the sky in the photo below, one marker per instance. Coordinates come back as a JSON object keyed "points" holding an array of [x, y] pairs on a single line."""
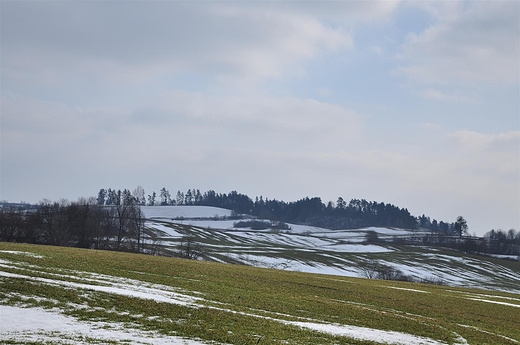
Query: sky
{"points": [[413, 103]]}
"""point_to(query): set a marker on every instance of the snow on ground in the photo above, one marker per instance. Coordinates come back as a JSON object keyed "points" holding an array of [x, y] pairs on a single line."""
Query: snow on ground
{"points": [[49, 326], [496, 302], [36, 324], [260, 260], [168, 230], [507, 257], [21, 253], [405, 289], [318, 250], [364, 333], [172, 212], [212, 224], [357, 248]]}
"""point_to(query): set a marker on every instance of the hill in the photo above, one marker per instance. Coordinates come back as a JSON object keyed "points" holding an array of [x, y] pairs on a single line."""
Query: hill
{"points": [[312, 249], [66, 295]]}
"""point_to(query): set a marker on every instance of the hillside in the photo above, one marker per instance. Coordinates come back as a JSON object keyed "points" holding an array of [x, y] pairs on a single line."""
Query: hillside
{"points": [[65, 295], [317, 250]]}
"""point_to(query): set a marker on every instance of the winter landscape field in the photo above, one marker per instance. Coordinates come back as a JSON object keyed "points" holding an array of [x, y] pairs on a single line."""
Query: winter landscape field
{"points": [[301, 285], [316, 250]]}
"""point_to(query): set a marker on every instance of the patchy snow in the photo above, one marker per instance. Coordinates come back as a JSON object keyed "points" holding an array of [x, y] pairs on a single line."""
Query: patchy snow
{"points": [[135, 289], [311, 249], [48, 326], [506, 257], [37, 324], [213, 224], [22, 253], [405, 289], [496, 302], [168, 230], [357, 248], [364, 333]]}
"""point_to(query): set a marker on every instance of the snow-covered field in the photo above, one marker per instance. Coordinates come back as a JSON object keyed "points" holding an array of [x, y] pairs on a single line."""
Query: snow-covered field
{"points": [[317, 250], [171, 212]]}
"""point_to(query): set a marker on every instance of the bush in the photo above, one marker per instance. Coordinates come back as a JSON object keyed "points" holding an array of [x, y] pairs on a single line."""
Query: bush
{"points": [[371, 236], [376, 270], [261, 225]]}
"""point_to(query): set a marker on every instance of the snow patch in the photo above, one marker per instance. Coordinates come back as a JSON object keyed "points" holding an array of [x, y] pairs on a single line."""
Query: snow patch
{"points": [[364, 333], [22, 253], [405, 289], [46, 326]]}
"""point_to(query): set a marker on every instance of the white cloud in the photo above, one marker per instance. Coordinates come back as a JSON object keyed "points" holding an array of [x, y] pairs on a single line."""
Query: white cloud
{"points": [[436, 95], [479, 141], [431, 126], [377, 50], [477, 41], [280, 123]]}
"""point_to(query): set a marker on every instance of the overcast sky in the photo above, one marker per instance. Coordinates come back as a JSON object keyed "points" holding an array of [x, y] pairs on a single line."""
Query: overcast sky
{"points": [[411, 103]]}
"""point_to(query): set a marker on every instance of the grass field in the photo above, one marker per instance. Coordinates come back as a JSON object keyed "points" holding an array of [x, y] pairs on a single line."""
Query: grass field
{"points": [[166, 300]]}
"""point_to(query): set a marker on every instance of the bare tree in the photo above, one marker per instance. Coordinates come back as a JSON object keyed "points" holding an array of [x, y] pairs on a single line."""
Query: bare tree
{"points": [[137, 225], [139, 195], [189, 248], [12, 224], [373, 269]]}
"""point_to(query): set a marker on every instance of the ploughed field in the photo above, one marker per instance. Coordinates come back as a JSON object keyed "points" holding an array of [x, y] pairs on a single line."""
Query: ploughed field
{"points": [[58, 295]]}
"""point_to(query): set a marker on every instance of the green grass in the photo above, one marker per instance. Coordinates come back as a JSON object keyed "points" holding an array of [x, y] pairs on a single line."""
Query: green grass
{"points": [[245, 305]]}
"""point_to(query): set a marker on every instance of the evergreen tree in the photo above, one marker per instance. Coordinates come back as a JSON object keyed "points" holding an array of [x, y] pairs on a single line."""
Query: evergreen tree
{"points": [[461, 226], [180, 198], [151, 199], [188, 198], [165, 196], [101, 197], [111, 197]]}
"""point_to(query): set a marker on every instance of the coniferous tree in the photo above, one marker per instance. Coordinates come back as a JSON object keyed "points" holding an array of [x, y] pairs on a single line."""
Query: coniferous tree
{"points": [[101, 196], [180, 198], [151, 199], [165, 197], [188, 198], [461, 226]]}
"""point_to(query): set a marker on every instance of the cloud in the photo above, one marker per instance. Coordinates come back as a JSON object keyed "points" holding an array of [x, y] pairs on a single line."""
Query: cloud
{"points": [[377, 50], [180, 129], [60, 43], [431, 126], [492, 143], [477, 41], [436, 95]]}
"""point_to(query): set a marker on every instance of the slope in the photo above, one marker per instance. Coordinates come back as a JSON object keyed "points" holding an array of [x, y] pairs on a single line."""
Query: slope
{"points": [[310, 249]]}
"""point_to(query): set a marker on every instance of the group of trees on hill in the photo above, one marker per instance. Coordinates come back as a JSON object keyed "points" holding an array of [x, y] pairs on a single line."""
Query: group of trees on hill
{"points": [[356, 213]]}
